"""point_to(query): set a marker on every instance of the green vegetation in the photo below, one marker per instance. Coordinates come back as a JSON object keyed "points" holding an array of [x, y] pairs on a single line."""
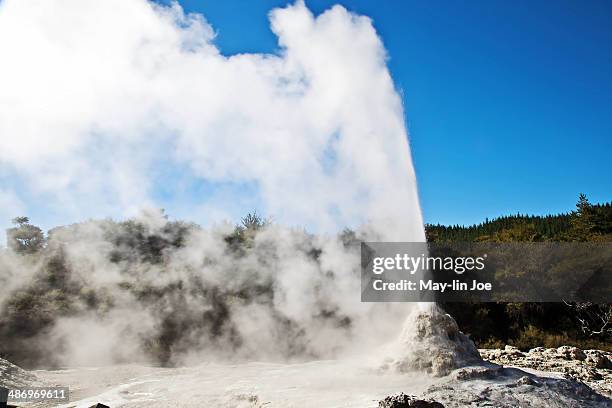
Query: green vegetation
{"points": [[90, 269], [190, 285], [528, 325], [587, 223], [25, 238]]}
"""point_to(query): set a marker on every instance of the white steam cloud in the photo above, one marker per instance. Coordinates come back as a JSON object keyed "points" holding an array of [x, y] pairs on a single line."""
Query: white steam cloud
{"points": [[103, 102], [107, 105]]}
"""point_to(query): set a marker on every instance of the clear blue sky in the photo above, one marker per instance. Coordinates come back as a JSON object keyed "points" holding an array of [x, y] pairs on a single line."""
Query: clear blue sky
{"points": [[509, 103]]}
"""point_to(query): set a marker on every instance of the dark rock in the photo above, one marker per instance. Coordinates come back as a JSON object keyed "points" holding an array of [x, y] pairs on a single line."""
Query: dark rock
{"points": [[98, 405], [407, 401], [526, 380], [478, 373], [599, 359], [571, 353]]}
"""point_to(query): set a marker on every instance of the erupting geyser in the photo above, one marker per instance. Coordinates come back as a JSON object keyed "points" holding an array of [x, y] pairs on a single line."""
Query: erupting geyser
{"points": [[313, 135]]}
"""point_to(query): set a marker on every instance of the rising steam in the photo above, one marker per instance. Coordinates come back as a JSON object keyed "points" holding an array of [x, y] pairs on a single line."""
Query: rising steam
{"points": [[110, 107], [150, 289]]}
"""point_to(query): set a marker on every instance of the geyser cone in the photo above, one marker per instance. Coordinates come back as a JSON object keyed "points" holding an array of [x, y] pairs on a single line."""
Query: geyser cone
{"points": [[431, 341]]}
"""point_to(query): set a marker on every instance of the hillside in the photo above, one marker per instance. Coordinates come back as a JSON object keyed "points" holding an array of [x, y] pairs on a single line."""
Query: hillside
{"points": [[528, 325]]}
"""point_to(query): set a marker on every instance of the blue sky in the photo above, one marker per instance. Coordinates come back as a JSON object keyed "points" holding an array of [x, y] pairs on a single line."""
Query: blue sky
{"points": [[509, 104]]}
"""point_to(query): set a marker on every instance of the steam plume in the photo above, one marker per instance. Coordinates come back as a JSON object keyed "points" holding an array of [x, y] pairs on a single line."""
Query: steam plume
{"points": [[108, 107]]}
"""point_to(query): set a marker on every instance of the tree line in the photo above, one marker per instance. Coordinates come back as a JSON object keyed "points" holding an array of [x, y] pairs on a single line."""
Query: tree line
{"points": [[528, 325]]}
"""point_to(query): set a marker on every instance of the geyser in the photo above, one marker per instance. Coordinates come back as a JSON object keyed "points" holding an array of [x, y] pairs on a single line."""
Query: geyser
{"points": [[313, 135]]}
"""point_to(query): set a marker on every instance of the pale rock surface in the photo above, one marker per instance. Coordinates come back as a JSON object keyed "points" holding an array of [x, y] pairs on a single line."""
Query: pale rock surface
{"points": [[592, 367], [495, 386], [13, 376]]}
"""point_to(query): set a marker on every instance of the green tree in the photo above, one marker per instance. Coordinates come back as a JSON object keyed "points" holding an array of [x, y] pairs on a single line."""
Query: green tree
{"points": [[254, 222], [583, 219], [25, 238]]}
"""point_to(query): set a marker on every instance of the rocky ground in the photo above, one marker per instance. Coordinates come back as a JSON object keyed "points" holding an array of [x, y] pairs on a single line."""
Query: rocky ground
{"points": [[494, 386], [591, 367], [502, 387], [12, 376], [565, 377]]}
